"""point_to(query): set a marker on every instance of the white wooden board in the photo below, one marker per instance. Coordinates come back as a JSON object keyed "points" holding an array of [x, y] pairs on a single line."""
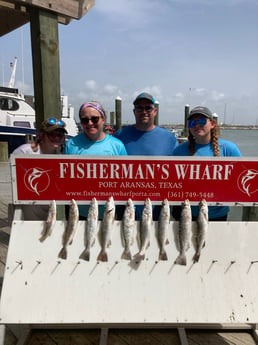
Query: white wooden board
{"points": [[221, 288]]}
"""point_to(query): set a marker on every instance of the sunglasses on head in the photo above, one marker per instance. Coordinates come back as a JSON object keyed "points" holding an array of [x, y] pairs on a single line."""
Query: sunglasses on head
{"points": [[201, 122], [140, 109], [93, 119], [52, 121]]}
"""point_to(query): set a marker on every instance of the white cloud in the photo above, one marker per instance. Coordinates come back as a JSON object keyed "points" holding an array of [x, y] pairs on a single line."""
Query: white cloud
{"points": [[91, 84]]}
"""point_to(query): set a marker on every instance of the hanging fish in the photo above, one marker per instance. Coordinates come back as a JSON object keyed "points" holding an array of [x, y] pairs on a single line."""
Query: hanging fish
{"points": [[91, 229], [163, 224], [128, 224], [50, 222], [70, 229], [184, 233], [202, 222], [106, 229], [145, 228]]}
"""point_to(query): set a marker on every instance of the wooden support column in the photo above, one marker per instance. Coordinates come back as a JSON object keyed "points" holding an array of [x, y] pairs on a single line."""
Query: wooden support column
{"points": [[46, 69]]}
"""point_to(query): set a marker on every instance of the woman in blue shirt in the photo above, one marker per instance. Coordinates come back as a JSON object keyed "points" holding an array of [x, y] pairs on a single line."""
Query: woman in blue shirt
{"points": [[203, 140]]}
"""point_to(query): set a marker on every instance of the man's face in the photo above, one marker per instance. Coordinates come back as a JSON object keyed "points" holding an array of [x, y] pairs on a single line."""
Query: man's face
{"points": [[144, 112]]}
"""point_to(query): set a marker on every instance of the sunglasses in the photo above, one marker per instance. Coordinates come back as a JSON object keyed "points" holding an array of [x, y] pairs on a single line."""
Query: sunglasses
{"points": [[52, 121], [56, 134], [93, 119], [201, 122], [140, 109]]}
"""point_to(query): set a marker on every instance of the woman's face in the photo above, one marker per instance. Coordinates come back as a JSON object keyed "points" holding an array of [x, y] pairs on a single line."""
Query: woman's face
{"points": [[92, 124], [200, 127], [52, 140]]}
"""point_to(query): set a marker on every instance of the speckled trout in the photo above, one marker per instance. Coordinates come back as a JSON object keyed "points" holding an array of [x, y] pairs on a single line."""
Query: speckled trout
{"points": [[184, 232], [91, 229], [50, 222], [202, 222], [163, 224], [145, 228], [70, 229], [106, 229], [128, 225]]}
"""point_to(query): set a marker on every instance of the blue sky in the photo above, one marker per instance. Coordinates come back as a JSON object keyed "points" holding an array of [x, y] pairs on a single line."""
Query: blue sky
{"points": [[197, 52]]}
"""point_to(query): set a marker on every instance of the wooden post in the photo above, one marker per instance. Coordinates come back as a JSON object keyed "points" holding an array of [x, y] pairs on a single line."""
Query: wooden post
{"points": [[112, 118], [156, 118], [250, 213], [3, 151], [45, 57], [46, 70], [187, 111], [118, 112]]}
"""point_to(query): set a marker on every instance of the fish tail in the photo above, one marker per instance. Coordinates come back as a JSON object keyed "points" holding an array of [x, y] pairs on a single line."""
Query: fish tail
{"points": [[163, 255], [42, 238], [85, 255], [196, 257], [139, 256], [63, 253], [181, 259], [126, 255], [102, 256]]}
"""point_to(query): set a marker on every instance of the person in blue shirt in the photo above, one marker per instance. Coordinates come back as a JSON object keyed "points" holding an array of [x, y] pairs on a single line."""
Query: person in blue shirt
{"points": [[93, 141], [144, 138], [203, 140]]}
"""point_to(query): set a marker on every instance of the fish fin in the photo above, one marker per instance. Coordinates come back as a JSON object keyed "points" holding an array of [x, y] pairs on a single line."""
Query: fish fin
{"points": [[126, 255], [139, 256], [167, 241], [109, 243], [148, 244], [103, 256], [85, 255], [181, 259], [63, 253], [163, 255], [93, 242], [43, 237]]}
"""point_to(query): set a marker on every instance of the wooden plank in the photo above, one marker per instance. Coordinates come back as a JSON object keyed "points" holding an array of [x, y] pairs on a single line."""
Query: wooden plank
{"points": [[74, 9], [182, 336]]}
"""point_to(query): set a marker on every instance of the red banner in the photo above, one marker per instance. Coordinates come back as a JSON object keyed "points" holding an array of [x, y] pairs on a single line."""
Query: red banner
{"points": [[226, 180]]}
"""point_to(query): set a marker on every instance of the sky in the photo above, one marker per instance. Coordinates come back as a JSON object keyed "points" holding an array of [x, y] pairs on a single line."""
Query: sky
{"points": [[196, 52]]}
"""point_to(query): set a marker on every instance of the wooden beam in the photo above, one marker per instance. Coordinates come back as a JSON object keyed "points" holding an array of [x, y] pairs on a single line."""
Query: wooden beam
{"points": [[46, 71]]}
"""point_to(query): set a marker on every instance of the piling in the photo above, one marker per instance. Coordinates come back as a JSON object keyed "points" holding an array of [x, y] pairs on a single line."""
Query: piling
{"points": [[187, 111], [118, 110], [156, 118], [3, 151]]}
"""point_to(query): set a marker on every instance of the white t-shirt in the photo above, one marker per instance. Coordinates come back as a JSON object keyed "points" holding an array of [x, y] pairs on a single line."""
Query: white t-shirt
{"points": [[26, 148]]}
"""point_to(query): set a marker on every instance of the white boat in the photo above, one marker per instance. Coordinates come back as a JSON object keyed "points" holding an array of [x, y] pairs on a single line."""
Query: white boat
{"points": [[17, 118]]}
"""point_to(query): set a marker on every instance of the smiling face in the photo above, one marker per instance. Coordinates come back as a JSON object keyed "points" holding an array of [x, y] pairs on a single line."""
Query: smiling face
{"points": [[200, 127], [145, 113], [92, 123], [51, 141]]}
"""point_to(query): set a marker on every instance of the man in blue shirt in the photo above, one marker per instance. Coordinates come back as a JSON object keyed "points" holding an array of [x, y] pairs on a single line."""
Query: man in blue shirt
{"points": [[144, 138]]}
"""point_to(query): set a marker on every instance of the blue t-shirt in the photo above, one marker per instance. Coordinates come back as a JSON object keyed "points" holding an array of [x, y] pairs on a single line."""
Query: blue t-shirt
{"points": [[156, 142], [81, 145], [227, 148]]}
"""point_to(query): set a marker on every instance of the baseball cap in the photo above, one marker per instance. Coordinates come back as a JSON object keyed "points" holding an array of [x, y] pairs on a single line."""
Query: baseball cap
{"points": [[51, 124], [200, 111], [144, 95]]}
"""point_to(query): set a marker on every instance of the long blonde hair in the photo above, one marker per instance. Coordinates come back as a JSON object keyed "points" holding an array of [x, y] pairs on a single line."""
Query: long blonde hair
{"points": [[215, 133]]}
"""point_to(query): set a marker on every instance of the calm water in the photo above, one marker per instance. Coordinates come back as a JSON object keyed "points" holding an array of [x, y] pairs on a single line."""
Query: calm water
{"points": [[245, 139]]}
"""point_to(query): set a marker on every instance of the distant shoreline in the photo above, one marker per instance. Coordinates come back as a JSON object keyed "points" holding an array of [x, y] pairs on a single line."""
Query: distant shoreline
{"points": [[181, 126]]}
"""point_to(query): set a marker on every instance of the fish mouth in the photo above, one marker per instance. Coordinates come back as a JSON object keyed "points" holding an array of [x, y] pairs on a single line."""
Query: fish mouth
{"points": [[110, 210]]}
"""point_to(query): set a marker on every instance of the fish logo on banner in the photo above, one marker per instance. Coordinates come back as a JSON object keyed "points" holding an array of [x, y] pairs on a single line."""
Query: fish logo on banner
{"points": [[37, 180], [248, 181]]}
